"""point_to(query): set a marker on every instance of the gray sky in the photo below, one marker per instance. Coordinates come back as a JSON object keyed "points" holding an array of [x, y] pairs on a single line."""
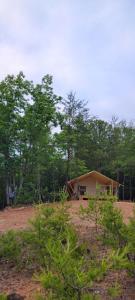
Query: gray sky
{"points": [[87, 45]]}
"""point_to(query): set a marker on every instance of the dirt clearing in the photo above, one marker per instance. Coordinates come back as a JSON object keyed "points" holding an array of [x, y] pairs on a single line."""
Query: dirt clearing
{"points": [[18, 218]]}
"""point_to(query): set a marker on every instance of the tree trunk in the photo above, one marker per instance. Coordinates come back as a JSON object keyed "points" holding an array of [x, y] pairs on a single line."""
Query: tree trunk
{"points": [[123, 191], [130, 188], [39, 184], [7, 192]]}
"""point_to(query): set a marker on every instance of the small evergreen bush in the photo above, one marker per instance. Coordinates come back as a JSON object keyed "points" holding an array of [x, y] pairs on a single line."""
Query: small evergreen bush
{"points": [[114, 229], [10, 248]]}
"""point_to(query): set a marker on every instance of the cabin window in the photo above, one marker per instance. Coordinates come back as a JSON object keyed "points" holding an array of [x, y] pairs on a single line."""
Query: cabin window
{"points": [[82, 189]]}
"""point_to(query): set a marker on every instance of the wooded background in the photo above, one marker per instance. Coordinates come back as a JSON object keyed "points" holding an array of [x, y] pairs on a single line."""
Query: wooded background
{"points": [[46, 140]]}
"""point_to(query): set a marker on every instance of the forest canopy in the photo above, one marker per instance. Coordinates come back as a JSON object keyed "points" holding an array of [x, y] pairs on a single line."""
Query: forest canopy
{"points": [[46, 140]]}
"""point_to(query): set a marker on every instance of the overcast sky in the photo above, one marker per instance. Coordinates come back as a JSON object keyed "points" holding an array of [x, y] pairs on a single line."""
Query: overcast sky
{"points": [[87, 45]]}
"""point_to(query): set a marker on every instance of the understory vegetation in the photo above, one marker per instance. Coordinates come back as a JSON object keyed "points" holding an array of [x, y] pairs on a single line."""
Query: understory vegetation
{"points": [[113, 232], [44, 136], [64, 265]]}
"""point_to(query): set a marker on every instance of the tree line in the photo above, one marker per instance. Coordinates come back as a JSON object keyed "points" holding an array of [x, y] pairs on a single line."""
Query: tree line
{"points": [[45, 140]]}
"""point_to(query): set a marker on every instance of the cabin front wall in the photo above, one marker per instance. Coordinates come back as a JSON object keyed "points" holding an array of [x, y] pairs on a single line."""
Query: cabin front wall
{"points": [[91, 187]]}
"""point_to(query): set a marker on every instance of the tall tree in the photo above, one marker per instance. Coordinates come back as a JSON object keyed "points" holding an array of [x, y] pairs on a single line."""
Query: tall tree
{"points": [[13, 101], [74, 111]]}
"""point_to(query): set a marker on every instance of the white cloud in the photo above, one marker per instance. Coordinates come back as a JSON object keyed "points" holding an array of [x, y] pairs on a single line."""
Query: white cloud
{"points": [[88, 47]]}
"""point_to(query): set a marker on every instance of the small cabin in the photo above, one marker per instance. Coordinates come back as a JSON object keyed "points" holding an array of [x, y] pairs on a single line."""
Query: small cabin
{"points": [[86, 185]]}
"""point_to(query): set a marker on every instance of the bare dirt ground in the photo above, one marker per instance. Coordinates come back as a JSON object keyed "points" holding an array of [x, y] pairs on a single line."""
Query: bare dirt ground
{"points": [[18, 218], [15, 218], [21, 282]]}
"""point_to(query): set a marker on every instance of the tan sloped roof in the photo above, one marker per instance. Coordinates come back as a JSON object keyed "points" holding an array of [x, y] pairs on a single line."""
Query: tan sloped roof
{"points": [[102, 178]]}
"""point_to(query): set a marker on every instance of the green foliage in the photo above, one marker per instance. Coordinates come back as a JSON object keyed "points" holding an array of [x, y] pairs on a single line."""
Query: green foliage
{"points": [[65, 269], [115, 232], [10, 247], [131, 245], [31, 153], [50, 222], [114, 291], [98, 207], [26, 194], [27, 113], [92, 212], [98, 270], [3, 297], [77, 167], [63, 195], [70, 274], [119, 235], [68, 271], [119, 259], [113, 226]]}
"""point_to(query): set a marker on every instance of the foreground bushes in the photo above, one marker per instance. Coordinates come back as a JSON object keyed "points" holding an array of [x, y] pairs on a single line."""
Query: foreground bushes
{"points": [[10, 246], [113, 231], [61, 263]]}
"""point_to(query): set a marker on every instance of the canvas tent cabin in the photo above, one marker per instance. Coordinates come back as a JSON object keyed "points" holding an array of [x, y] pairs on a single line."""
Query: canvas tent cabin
{"points": [[85, 185]]}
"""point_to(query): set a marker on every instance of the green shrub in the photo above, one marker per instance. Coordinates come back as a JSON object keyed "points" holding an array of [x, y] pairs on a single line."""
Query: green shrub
{"points": [[131, 245], [114, 291], [49, 223], [63, 195], [30, 246], [70, 273], [3, 297], [118, 259], [114, 229], [92, 212], [97, 206], [65, 269], [10, 247]]}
